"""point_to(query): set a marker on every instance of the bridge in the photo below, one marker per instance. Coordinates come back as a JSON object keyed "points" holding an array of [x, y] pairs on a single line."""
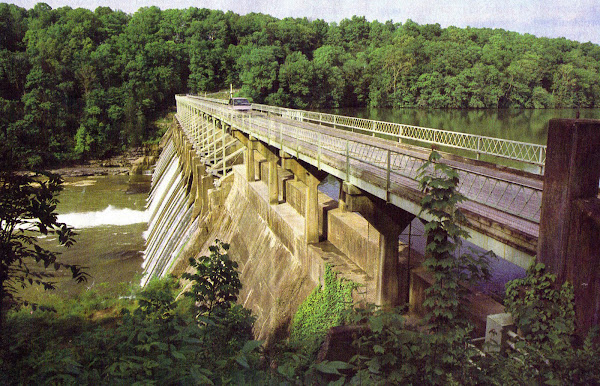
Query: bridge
{"points": [[377, 164], [503, 204]]}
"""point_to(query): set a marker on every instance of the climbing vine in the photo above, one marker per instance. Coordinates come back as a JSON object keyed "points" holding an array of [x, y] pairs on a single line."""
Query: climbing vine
{"points": [[451, 270], [324, 308]]}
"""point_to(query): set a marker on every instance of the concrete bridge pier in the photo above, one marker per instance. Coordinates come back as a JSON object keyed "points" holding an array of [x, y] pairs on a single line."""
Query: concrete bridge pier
{"points": [[208, 182], [195, 174], [389, 221], [273, 180], [199, 170], [569, 240], [311, 178], [251, 144]]}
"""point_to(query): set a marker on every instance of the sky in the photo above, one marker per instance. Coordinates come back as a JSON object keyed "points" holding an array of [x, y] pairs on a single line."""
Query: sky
{"points": [[573, 19]]}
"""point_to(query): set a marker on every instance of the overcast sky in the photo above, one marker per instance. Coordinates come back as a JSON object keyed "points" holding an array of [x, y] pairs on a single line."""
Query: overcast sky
{"points": [[574, 19]]}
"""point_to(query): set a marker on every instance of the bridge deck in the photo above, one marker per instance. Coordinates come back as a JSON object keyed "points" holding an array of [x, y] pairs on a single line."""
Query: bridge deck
{"points": [[502, 203], [260, 124]]}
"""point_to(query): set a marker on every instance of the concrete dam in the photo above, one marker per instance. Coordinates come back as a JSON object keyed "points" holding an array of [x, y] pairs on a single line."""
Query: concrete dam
{"points": [[251, 180], [277, 267]]}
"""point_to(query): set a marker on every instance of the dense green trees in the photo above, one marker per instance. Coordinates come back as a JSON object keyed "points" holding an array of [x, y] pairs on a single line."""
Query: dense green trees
{"points": [[76, 83]]}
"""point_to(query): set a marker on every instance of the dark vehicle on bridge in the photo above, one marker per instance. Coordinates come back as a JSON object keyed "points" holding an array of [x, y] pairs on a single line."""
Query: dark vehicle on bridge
{"points": [[240, 104]]}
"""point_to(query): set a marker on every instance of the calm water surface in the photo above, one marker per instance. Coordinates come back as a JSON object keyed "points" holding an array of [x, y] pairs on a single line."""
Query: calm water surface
{"points": [[517, 125]]}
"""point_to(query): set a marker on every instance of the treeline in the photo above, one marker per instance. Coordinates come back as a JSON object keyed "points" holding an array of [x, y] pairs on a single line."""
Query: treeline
{"points": [[76, 83]]}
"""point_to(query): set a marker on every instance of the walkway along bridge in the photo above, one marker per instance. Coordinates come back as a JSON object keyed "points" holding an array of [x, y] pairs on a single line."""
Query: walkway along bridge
{"points": [[378, 164]]}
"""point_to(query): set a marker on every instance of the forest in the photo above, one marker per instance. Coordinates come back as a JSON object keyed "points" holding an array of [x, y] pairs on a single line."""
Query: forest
{"points": [[77, 84]]}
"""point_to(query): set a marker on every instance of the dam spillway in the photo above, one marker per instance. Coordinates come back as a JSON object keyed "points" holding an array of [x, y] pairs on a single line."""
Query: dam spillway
{"points": [[290, 152], [169, 225]]}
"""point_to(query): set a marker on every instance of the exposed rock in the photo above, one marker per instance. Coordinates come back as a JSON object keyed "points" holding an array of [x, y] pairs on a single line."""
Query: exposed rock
{"points": [[118, 165]]}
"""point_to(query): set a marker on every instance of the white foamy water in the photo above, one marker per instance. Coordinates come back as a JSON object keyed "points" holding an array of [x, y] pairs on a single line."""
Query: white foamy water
{"points": [[108, 216]]}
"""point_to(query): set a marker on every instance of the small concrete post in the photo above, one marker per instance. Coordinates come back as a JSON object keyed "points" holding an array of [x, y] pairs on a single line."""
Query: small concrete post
{"points": [[250, 172], [496, 331], [311, 217], [569, 223], [273, 179]]}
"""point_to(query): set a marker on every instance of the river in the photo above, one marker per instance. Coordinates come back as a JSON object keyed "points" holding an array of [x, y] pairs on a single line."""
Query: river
{"points": [[109, 214]]}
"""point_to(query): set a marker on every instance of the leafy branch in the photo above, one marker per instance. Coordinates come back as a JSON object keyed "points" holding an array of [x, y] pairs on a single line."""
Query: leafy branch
{"points": [[28, 208]]}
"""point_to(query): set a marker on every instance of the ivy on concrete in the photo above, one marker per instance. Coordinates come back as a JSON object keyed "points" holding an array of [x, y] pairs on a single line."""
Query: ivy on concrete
{"points": [[324, 308]]}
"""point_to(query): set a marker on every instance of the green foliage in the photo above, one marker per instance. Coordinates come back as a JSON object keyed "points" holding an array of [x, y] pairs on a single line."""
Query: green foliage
{"points": [[156, 341], [28, 208], [76, 83], [446, 298], [324, 308], [216, 282], [389, 352], [541, 309], [548, 352]]}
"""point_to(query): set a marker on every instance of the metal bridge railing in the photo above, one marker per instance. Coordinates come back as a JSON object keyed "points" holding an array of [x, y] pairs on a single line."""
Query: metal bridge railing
{"points": [[354, 156], [522, 152]]}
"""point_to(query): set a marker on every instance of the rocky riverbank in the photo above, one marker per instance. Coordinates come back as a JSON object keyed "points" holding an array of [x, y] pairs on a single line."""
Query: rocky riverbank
{"points": [[118, 165]]}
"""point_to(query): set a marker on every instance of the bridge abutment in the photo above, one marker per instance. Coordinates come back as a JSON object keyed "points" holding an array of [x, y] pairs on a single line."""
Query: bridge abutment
{"points": [[569, 240]]}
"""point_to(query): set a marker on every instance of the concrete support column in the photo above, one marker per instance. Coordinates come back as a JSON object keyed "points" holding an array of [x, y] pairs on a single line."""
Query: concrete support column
{"points": [[389, 221], [286, 162], [250, 172], [569, 221], [342, 198], [193, 177], [273, 180], [188, 154], [311, 217], [207, 183], [387, 281], [199, 171], [352, 199], [583, 269]]}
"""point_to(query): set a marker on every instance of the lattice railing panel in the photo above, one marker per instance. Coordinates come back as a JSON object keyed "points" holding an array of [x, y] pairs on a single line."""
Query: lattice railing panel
{"points": [[386, 162], [528, 153]]}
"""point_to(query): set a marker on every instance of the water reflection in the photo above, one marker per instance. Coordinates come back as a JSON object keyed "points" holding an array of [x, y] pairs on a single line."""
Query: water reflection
{"points": [[517, 125]]}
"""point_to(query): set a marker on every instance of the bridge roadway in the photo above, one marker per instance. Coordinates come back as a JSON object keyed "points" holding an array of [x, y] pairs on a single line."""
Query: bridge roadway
{"points": [[502, 206]]}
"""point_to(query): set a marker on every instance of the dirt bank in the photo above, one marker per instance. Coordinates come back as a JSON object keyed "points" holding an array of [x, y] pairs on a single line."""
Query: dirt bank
{"points": [[118, 165]]}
